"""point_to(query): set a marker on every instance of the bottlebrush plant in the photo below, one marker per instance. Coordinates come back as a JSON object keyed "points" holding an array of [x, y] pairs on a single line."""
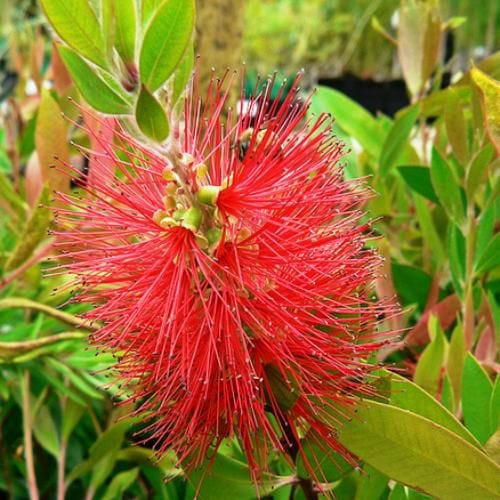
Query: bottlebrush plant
{"points": [[231, 284]]}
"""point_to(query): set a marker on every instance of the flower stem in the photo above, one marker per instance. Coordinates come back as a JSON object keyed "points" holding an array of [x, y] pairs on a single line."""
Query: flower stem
{"points": [[28, 439]]}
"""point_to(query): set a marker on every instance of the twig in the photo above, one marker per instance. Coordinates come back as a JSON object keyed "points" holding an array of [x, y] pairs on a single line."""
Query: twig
{"points": [[28, 438]]}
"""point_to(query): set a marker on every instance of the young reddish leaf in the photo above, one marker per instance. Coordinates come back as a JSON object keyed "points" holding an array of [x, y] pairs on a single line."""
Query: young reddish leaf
{"points": [[76, 23], [165, 41], [33, 180], [103, 94], [51, 139], [60, 76], [151, 117]]}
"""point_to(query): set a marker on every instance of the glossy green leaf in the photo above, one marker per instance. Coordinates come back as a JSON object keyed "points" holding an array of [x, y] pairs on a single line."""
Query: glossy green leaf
{"points": [[477, 389], [97, 90], [490, 257], [125, 29], [484, 231], [76, 23], [151, 117], [120, 483], [446, 398], [148, 9], [352, 118], [34, 232], [419, 453], [397, 139], [419, 179], [446, 187], [165, 41], [228, 479], [428, 370], [182, 75], [456, 128], [421, 282], [409, 396]]}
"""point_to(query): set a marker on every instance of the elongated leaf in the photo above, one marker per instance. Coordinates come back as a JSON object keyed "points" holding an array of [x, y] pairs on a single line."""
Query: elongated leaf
{"points": [[419, 179], [397, 139], [125, 29], [484, 232], [477, 169], [44, 429], [476, 395], [428, 370], [71, 416], [76, 23], [34, 232], [446, 187], [94, 88], [495, 406], [455, 362], [490, 258], [409, 396], [352, 118], [456, 128], [120, 483], [456, 254], [149, 8], [421, 281], [371, 484], [229, 479], [51, 139], [182, 75], [165, 41], [419, 453], [150, 117]]}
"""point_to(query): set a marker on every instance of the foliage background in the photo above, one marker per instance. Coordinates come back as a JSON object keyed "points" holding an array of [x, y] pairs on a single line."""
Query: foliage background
{"points": [[435, 168]]}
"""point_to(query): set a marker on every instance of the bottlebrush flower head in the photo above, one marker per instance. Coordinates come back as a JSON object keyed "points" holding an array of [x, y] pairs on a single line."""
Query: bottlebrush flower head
{"points": [[230, 274]]}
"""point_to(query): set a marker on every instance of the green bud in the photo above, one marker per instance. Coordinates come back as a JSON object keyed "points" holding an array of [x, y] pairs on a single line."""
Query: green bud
{"points": [[208, 194], [192, 219]]}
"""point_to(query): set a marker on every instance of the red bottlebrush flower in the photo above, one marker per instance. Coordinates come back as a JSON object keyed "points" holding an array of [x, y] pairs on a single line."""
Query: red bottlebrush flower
{"points": [[231, 276]]}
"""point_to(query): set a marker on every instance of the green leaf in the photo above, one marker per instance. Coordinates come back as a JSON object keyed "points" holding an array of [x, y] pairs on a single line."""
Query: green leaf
{"points": [[327, 465], [456, 128], [150, 117], [352, 118], [455, 362], [428, 370], [148, 9], [228, 479], [476, 396], [125, 29], [409, 396], [165, 41], [419, 179], [419, 453], [120, 483], [182, 75], [397, 139], [446, 187], [429, 232], [371, 484], [45, 431], [76, 23], [475, 173], [96, 88], [490, 258], [421, 282], [70, 417], [484, 233], [34, 232], [456, 254]]}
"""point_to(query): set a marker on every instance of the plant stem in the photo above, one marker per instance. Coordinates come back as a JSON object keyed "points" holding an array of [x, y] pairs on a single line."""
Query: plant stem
{"points": [[61, 464], [28, 440]]}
